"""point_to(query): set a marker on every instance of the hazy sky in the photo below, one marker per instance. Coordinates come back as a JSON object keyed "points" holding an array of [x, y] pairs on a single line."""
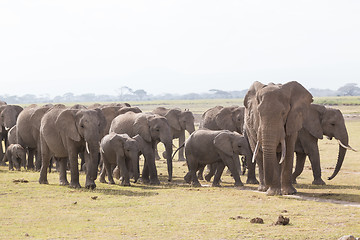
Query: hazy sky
{"points": [[181, 46]]}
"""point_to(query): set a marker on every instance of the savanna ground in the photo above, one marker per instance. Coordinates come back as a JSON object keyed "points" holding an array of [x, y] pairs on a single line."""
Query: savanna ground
{"points": [[178, 211]]}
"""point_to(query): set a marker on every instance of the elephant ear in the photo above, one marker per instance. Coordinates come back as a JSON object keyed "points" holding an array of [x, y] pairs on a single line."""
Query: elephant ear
{"points": [[65, 123], [172, 116], [313, 121], [102, 119], [224, 119], [141, 127], [117, 141], [223, 143], [251, 93], [36, 116], [18, 109], [300, 100]]}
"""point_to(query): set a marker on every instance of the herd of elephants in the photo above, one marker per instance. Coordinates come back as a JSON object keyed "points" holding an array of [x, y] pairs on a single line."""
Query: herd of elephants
{"points": [[275, 121]]}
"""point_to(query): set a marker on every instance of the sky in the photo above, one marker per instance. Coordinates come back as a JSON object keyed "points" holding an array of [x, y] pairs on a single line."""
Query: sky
{"points": [[60, 46]]}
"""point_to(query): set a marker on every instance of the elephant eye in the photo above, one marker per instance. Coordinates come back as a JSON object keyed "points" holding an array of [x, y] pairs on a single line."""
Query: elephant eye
{"points": [[82, 125]]}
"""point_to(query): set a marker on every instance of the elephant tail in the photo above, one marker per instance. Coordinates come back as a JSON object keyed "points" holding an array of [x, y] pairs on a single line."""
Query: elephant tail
{"points": [[181, 146]]}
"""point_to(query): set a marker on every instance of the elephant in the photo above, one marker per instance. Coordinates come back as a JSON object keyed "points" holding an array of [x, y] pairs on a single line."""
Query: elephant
{"points": [[28, 133], [8, 116], [179, 121], [122, 151], [11, 137], [64, 133], [274, 114], [16, 155], [232, 119], [152, 128], [214, 146], [320, 121]]}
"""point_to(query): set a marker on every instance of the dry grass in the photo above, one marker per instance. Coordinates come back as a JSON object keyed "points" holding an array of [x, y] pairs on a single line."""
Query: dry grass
{"points": [[177, 211]]}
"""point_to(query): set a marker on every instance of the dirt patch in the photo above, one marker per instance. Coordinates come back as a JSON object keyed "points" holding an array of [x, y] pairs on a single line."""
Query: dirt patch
{"points": [[282, 220], [257, 220]]}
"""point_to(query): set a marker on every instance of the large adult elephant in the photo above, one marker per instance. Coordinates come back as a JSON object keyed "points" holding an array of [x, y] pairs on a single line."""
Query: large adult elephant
{"points": [[28, 133], [320, 121], [8, 117], [274, 114], [179, 121], [152, 128], [232, 119], [64, 133]]}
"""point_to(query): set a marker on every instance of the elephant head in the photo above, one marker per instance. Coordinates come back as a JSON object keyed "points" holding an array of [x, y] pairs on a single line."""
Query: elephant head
{"points": [[231, 118], [329, 122], [85, 126], [8, 116], [179, 120], [154, 128], [275, 114]]}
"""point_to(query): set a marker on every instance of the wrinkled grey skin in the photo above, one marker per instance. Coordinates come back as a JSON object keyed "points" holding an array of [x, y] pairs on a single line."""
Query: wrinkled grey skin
{"points": [[208, 146], [28, 133], [16, 155], [12, 139], [320, 121], [152, 128], [63, 134], [8, 116], [232, 119], [122, 151], [179, 121], [274, 114]]}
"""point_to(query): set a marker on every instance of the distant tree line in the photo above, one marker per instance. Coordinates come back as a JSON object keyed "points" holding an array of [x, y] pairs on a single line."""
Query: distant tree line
{"points": [[127, 94]]}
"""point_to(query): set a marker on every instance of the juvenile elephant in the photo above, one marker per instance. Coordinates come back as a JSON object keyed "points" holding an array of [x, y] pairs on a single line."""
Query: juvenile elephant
{"points": [[320, 121], [274, 114], [16, 155], [28, 133], [152, 128], [122, 151], [208, 146], [179, 121], [232, 119], [64, 133]]}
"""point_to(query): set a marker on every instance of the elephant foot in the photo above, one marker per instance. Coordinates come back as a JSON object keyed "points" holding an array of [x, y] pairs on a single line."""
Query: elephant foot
{"points": [[216, 184], [43, 181], [318, 181], [272, 191], [252, 181], [200, 177], [64, 182], [125, 184], [102, 180], [288, 190], [154, 182], [157, 158], [91, 186], [238, 184], [182, 159], [262, 188], [196, 184], [145, 180], [75, 185], [187, 178], [294, 181]]}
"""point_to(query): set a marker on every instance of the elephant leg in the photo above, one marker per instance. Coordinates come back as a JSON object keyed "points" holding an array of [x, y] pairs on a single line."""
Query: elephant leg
{"points": [[30, 161], [219, 166], [82, 162], [38, 160], [260, 161], [193, 167], [314, 157], [107, 168], [11, 166], [74, 169], [149, 169], [200, 173], [181, 151], [251, 178], [45, 158], [212, 167], [299, 166], [63, 166], [287, 166]]}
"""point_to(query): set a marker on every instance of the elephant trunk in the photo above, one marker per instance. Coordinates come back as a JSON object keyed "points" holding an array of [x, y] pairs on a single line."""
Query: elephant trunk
{"points": [[344, 140], [92, 165], [135, 166], [190, 128]]}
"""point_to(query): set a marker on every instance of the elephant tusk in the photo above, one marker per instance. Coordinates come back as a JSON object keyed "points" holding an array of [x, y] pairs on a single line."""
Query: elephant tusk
{"points": [[256, 150], [347, 147], [7, 128], [102, 150], [87, 147], [283, 151]]}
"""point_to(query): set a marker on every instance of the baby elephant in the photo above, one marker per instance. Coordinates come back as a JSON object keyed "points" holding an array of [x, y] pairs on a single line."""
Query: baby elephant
{"points": [[209, 146], [122, 151], [16, 155]]}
